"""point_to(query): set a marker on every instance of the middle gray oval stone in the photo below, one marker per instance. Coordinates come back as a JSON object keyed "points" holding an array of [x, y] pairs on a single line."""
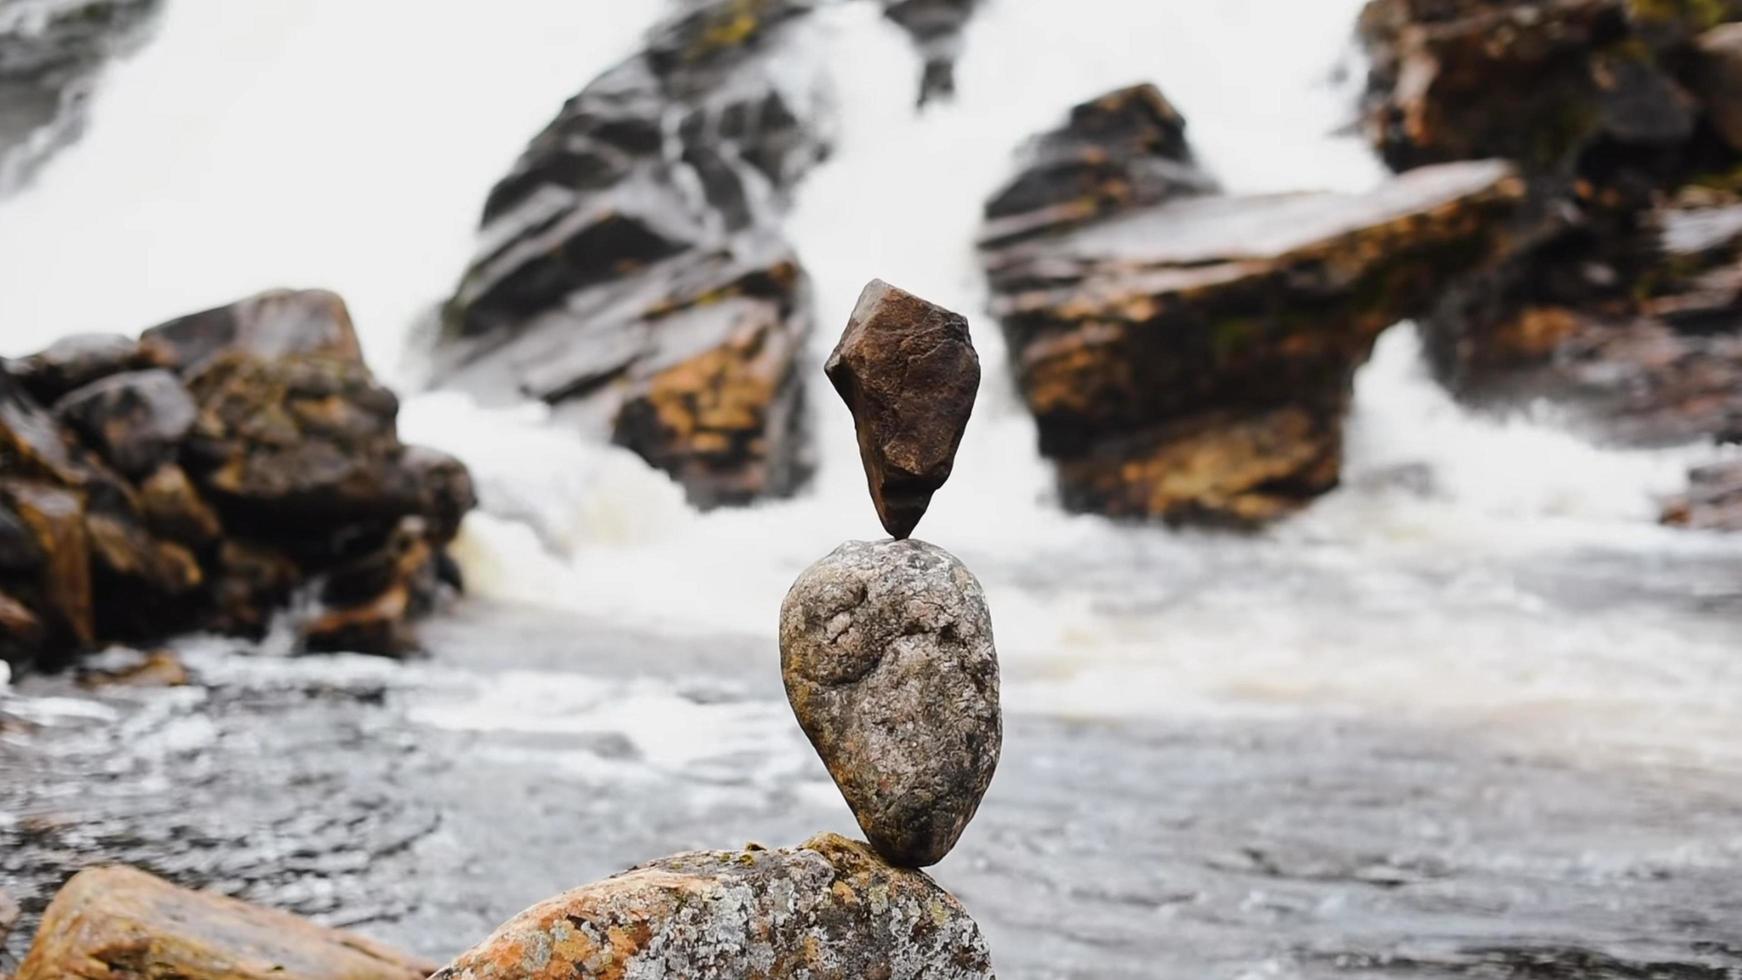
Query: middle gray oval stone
{"points": [[886, 651]]}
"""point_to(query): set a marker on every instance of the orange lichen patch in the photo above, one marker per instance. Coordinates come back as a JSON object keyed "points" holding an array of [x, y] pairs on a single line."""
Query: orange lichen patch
{"points": [[1222, 469], [111, 923]]}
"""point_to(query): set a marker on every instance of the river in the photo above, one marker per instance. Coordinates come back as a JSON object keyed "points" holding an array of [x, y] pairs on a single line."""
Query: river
{"points": [[1473, 714]]}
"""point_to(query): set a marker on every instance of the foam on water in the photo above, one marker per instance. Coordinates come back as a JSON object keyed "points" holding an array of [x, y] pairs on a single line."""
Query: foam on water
{"points": [[1470, 565]]}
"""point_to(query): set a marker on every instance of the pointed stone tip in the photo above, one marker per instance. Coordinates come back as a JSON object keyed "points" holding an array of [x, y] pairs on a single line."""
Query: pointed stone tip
{"points": [[908, 371]]}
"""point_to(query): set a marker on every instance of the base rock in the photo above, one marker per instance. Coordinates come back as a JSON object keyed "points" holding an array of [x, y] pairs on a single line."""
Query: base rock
{"points": [[116, 922], [830, 910]]}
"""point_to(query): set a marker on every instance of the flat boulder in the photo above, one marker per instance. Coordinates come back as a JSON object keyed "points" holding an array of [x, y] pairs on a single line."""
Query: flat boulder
{"points": [[829, 910], [114, 922], [1193, 360]]}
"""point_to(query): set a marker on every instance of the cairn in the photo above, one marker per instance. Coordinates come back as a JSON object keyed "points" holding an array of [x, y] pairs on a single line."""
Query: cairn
{"points": [[886, 647]]}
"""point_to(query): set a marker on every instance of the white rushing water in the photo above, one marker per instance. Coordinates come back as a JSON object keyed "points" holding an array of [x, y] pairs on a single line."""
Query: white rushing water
{"points": [[1481, 568]]}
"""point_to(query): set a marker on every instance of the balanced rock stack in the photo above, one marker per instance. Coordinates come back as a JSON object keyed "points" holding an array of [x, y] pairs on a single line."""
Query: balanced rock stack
{"points": [[886, 647], [886, 650]]}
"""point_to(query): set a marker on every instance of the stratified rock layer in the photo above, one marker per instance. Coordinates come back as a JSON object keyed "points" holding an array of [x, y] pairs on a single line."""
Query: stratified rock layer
{"points": [[631, 272], [199, 476], [1125, 149], [830, 910], [908, 372], [1192, 360], [886, 650]]}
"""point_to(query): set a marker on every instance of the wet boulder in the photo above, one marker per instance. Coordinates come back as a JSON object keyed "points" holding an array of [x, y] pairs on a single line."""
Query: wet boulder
{"points": [[118, 922], [288, 445], [278, 323], [886, 652], [830, 910], [59, 590], [1590, 85], [1637, 335], [1126, 149], [631, 272], [1193, 360], [76, 361], [135, 420], [154, 501], [174, 509]]}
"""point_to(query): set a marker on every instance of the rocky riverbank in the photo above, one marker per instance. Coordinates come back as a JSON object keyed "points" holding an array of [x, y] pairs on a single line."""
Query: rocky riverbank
{"points": [[206, 475]]}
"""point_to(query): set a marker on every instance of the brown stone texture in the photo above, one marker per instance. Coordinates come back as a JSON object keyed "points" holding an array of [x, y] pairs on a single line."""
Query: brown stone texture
{"points": [[829, 910], [1125, 149], [887, 655], [1557, 85], [908, 371], [115, 922], [154, 501], [1193, 360], [269, 325]]}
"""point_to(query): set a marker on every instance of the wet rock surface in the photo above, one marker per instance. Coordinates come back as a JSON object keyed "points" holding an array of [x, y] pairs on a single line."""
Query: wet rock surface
{"points": [[1126, 149], [828, 909], [632, 272], [887, 656], [1114, 850], [1192, 360], [908, 372], [117, 921], [51, 52], [1593, 85], [152, 501], [1621, 302]]}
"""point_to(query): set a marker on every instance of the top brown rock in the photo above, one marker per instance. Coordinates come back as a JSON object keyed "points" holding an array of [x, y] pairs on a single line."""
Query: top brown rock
{"points": [[907, 370]]}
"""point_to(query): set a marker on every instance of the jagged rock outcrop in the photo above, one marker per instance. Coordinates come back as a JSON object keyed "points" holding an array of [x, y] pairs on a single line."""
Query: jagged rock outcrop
{"points": [[51, 52], [631, 272], [1590, 88], [1192, 360], [257, 456], [1125, 149], [830, 910], [1623, 301], [936, 27], [115, 922]]}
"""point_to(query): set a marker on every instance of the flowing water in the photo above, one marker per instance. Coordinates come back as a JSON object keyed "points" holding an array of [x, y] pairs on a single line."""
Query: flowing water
{"points": [[1473, 714]]}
